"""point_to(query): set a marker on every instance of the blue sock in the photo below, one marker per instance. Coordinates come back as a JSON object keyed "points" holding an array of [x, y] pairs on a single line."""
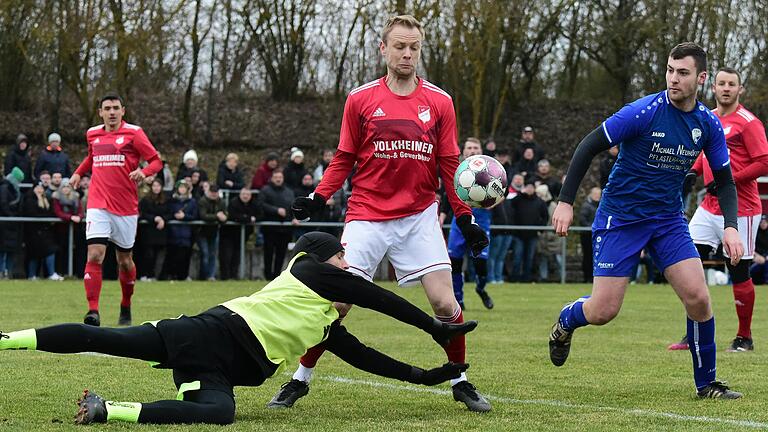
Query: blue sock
{"points": [[458, 286], [572, 315], [701, 343]]}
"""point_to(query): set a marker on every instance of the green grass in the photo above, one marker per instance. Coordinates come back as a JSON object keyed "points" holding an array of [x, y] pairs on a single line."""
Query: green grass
{"points": [[619, 377]]}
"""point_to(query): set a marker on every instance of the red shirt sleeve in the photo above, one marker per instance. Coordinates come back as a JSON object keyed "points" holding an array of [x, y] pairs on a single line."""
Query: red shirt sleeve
{"points": [[448, 140], [87, 163], [350, 134], [448, 166], [753, 137], [144, 146], [154, 166], [336, 173]]}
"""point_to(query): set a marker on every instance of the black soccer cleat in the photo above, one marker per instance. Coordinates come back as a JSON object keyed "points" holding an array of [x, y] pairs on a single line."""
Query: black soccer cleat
{"points": [[465, 392], [288, 394], [559, 344], [487, 300], [92, 318], [125, 316], [91, 409], [741, 344], [718, 390]]}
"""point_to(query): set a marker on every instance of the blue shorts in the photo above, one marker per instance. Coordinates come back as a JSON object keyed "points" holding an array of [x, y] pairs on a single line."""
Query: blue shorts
{"points": [[457, 247], [616, 245]]}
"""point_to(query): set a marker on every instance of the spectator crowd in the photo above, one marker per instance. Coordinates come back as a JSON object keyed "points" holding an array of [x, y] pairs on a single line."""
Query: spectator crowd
{"points": [[223, 203]]}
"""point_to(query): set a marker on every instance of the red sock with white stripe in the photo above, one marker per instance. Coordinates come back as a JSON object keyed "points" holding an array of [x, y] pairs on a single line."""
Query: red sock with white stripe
{"points": [[92, 282], [744, 298], [127, 283], [456, 349]]}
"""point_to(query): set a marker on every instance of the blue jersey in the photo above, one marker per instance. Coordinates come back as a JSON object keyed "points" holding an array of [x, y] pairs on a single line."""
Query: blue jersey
{"points": [[659, 144]]}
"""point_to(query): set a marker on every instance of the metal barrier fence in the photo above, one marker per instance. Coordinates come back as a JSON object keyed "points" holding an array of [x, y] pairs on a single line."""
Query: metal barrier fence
{"points": [[71, 235]]}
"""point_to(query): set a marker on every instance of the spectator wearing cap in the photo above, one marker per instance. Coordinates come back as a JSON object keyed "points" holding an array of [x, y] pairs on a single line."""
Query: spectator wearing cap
{"points": [[53, 159], [19, 157], [230, 175], [295, 170], [213, 212], [10, 232], [189, 165], [264, 173], [527, 140], [527, 209], [183, 208]]}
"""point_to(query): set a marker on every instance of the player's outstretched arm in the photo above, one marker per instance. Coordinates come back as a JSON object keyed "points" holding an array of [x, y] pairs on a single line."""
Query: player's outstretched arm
{"points": [[589, 147], [348, 348], [337, 285]]}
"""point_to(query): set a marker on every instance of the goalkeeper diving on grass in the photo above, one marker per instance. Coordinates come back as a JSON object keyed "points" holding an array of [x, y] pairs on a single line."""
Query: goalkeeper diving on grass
{"points": [[244, 341]]}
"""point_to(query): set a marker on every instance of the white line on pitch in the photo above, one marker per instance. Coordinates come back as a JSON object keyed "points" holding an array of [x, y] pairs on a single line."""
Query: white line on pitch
{"points": [[556, 403]]}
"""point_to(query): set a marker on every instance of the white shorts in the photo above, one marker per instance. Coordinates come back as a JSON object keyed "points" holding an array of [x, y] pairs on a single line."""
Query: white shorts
{"points": [[707, 228], [413, 244], [120, 230]]}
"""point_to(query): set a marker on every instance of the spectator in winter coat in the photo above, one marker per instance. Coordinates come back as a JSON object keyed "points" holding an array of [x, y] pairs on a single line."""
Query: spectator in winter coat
{"points": [[38, 236], [183, 208], [323, 165], [544, 176], [53, 159], [500, 241], [213, 213], [527, 165], [68, 207], [527, 209], [549, 251], [155, 210], [528, 141], [243, 210], [586, 217], [189, 164], [295, 170], [230, 176], [10, 232], [262, 175], [275, 201], [19, 157]]}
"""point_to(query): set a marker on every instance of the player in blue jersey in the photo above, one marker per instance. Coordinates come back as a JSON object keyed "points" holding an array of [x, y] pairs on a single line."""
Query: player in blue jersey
{"points": [[661, 136], [457, 246]]}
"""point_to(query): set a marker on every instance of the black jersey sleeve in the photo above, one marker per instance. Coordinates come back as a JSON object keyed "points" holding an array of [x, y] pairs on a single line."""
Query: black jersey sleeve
{"points": [[588, 148], [338, 285]]}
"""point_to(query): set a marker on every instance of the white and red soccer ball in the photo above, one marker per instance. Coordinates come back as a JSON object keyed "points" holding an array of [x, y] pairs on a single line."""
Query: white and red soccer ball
{"points": [[480, 181]]}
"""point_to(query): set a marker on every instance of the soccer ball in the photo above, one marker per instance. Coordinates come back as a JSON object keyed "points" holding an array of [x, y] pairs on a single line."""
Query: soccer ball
{"points": [[480, 181]]}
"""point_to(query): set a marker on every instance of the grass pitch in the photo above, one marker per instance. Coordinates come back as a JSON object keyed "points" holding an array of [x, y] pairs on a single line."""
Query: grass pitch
{"points": [[619, 377]]}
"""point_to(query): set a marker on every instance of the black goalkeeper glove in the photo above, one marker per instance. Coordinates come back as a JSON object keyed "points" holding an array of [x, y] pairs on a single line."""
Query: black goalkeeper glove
{"points": [[712, 188], [304, 207], [473, 234], [690, 180], [443, 332], [437, 375]]}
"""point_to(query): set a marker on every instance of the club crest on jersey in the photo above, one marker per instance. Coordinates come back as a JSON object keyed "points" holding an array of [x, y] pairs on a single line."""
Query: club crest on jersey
{"points": [[120, 140], [696, 135], [726, 130], [424, 115]]}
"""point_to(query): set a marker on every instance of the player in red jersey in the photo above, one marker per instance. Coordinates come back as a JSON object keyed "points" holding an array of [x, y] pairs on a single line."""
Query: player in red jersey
{"points": [[748, 149], [114, 151], [401, 132]]}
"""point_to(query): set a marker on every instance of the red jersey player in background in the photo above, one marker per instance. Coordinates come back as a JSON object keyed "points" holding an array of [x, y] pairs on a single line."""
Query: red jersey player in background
{"points": [[748, 149], [115, 149], [401, 131]]}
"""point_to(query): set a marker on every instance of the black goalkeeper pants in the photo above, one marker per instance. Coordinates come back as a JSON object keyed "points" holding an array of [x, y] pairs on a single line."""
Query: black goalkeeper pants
{"points": [[145, 343]]}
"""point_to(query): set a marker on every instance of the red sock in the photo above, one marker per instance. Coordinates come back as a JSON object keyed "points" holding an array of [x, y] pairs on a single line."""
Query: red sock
{"points": [[92, 282], [310, 358], [744, 298], [456, 348], [127, 282]]}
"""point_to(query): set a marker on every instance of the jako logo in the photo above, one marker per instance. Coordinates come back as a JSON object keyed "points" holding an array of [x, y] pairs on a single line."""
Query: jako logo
{"points": [[605, 265], [658, 134]]}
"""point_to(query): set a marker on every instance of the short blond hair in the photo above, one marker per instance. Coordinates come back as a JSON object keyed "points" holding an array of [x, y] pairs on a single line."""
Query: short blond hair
{"points": [[232, 156], [404, 20]]}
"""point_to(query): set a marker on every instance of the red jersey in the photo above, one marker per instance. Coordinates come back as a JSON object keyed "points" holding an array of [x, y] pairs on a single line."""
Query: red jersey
{"points": [[745, 137], [111, 157], [396, 142]]}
